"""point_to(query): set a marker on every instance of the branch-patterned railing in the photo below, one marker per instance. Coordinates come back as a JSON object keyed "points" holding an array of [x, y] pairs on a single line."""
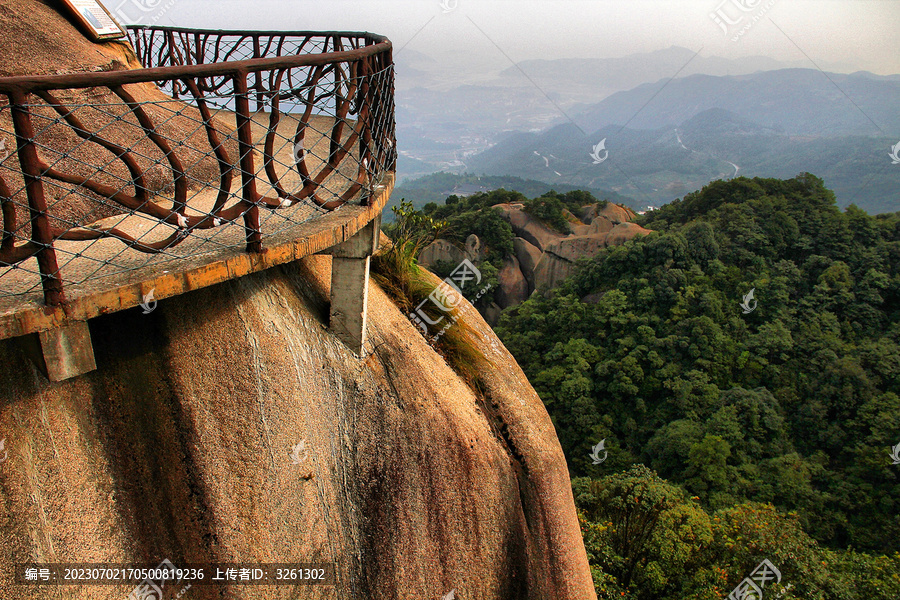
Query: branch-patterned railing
{"points": [[98, 156]]}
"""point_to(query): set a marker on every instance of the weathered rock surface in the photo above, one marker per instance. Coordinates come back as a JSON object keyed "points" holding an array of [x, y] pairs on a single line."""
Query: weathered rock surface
{"points": [[614, 213], [546, 257], [527, 227], [513, 286], [543, 257], [573, 247], [552, 270], [623, 232], [441, 250], [528, 256], [474, 248], [179, 446]]}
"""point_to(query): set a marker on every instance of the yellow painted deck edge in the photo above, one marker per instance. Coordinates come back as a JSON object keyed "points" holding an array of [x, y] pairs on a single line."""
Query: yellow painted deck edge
{"points": [[347, 221]]}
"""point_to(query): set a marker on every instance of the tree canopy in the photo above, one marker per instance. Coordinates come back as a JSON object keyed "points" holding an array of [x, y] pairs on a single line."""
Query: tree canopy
{"points": [[794, 403]]}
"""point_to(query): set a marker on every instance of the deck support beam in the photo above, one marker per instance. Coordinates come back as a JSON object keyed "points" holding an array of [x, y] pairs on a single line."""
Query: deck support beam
{"points": [[350, 285], [64, 352]]}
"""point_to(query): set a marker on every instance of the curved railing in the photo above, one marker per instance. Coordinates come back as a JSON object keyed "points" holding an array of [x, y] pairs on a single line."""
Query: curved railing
{"points": [[97, 158]]}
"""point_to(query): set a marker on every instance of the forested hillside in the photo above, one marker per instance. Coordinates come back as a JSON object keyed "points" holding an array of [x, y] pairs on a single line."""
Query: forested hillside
{"points": [[789, 409], [741, 365]]}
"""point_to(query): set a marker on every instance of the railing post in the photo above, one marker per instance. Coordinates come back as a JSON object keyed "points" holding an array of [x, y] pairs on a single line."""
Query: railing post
{"points": [[258, 85], [248, 171], [170, 39], [37, 203]]}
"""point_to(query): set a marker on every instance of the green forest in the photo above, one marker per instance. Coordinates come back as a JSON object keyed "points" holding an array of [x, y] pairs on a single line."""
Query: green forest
{"points": [[737, 427]]}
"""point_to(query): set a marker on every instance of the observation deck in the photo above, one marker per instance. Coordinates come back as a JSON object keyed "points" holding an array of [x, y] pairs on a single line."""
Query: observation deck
{"points": [[226, 153]]}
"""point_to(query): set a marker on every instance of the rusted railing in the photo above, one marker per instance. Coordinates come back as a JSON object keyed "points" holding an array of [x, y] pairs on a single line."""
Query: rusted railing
{"points": [[104, 156]]}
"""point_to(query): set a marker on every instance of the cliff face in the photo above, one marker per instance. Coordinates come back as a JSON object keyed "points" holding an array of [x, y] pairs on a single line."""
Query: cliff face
{"points": [[182, 446], [543, 257]]}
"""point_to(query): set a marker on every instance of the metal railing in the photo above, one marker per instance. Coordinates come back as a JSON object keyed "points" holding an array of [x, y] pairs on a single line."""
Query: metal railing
{"points": [[175, 172]]}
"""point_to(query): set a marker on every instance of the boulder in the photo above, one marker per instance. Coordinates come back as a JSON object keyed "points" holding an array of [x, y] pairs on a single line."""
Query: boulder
{"points": [[231, 425], [474, 249], [623, 232], [528, 256], [527, 227], [615, 213], [574, 247], [551, 270], [441, 250], [513, 287], [600, 225], [580, 228]]}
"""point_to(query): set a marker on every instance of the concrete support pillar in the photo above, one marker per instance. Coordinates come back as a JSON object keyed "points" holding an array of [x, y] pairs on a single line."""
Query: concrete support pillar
{"points": [[66, 351], [350, 285]]}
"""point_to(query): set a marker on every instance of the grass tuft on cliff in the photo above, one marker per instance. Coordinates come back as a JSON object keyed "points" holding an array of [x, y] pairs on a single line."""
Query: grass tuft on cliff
{"points": [[395, 268]]}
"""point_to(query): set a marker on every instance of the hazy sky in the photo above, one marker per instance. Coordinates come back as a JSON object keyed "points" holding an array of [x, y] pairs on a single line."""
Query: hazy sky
{"points": [[864, 34]]}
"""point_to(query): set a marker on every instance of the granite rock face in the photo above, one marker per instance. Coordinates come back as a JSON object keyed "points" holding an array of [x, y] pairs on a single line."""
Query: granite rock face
{"points": [[543, 257], [182, 446], [547, 256], [513, 286], [441, 251]]}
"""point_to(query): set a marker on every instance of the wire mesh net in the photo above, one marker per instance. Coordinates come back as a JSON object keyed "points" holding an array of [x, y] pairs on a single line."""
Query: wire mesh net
{"points": [[109, 179]]}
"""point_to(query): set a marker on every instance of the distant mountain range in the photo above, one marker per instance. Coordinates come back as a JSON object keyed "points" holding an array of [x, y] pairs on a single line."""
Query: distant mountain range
{"points": [[604, 76], [719, 117], [792, 101], [449, 110], [700, 128]]}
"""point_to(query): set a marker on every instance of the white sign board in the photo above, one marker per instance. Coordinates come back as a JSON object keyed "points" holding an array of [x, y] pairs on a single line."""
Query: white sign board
{"points": [[96, 19]]}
